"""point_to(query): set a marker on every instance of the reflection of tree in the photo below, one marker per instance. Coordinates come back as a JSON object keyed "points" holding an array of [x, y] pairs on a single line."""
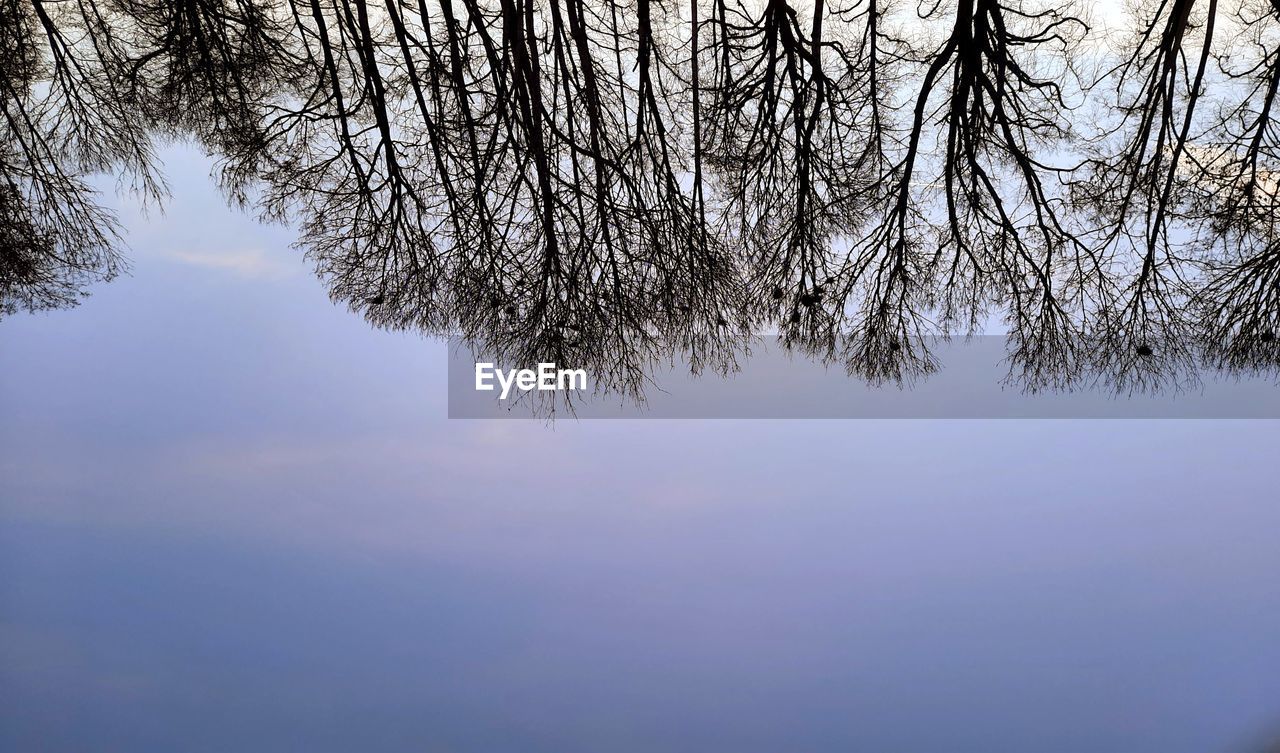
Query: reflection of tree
{"points": [[1238, 194], [796, 137], [65, 114], [1138, 191], [495, 169], [606, 184], [998, 238]]}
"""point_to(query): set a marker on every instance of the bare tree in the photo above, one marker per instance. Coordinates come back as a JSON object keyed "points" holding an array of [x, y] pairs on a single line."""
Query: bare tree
{"points": [[1237, 199], [797, 141], [65, 116], [970, 218], [613, 184]]}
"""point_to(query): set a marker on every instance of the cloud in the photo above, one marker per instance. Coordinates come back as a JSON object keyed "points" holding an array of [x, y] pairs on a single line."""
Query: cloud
{"points": [[254, 263]]}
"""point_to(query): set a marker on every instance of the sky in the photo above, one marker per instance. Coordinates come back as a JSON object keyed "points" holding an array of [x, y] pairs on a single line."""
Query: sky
{"points": [[234, 517]]}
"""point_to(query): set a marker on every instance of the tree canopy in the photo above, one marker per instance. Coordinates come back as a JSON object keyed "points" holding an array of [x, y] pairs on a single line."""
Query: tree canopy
{"points": [[611, 183]]}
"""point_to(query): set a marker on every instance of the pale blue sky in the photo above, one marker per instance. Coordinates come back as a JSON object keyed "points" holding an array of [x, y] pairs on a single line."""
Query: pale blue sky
{"points": [[233, 517]]}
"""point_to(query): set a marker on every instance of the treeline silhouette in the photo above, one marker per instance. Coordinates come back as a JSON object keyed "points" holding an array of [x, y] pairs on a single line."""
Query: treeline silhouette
{"points": [[611, 183]]}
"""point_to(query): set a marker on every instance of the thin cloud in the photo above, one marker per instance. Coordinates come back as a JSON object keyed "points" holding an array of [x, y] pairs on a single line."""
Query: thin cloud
{"points": [[254, 264]]}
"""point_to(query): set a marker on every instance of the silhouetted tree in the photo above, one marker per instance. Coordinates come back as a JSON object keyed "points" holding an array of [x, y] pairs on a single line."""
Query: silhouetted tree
{"points": [[796, 139], [970, 219], [65, 116], [613, 184], [1237, 199]]}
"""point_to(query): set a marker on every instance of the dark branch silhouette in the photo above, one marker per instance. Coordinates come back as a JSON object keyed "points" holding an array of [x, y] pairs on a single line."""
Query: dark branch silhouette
{"points": [[66, 115], [614, 184]]}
